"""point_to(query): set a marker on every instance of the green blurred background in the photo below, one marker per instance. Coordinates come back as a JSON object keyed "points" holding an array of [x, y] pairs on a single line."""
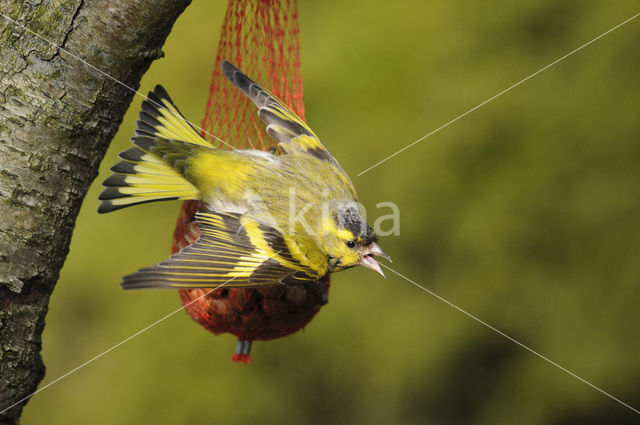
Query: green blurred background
{"points": [[524, 213]]}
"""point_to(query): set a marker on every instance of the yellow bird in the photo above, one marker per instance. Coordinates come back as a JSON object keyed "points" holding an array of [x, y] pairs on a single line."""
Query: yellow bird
{"points": [[270, 219]]}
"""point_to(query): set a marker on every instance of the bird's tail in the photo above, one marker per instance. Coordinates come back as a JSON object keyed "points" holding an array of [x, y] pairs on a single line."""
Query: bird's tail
{"points": [[142, 176]]}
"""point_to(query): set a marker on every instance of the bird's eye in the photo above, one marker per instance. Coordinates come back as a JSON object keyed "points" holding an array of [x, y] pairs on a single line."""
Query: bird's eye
{"points": [[351, 244]]}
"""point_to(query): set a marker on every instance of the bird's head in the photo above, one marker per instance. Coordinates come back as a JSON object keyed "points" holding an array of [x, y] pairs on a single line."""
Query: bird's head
{"points": [[350, 241]]}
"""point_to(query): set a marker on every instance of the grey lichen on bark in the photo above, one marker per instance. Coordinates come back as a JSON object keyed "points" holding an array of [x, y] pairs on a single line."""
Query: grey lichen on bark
{"points": [[57, 117]]}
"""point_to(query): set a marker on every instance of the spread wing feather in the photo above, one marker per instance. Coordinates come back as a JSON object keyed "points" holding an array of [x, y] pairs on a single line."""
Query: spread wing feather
{"points": [[283, 125], [232, 251]]}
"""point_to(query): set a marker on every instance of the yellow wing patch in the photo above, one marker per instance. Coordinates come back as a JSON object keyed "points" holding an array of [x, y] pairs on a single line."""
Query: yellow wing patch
{"points": [[232, 251], [283, 125]]}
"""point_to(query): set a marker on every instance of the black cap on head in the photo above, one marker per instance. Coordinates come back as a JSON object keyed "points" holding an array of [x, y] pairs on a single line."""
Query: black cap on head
{"points": [[349, 218]]}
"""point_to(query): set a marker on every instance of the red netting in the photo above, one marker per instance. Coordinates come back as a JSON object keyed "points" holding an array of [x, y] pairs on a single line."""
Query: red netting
{"points": [[260, 37]]}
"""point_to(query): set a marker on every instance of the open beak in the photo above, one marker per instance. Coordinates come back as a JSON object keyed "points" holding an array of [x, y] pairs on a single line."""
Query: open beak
{"points": [[369, 262]]}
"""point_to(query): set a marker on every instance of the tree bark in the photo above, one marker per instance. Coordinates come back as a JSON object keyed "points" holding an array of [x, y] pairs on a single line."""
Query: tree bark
{"points": [[57, 117]]}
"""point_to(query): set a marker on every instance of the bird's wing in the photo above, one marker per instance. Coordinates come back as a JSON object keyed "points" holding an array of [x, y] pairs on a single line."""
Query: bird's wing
{"points": [[283, 125], [233, 251]]}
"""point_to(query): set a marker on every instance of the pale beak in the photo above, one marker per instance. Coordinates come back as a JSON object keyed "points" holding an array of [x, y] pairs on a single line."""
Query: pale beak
{"points": [[369, 262], [375, 249]]}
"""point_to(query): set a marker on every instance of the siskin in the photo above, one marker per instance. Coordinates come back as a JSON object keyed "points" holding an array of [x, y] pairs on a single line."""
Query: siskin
{"points": [[269, 220]]}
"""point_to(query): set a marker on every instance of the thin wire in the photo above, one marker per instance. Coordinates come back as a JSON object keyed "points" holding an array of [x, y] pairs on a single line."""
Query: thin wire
{"points": [[110, 77], [498, 95], [123, 341], [114, 347], [368, 169], [133, 90], [548, 360]]}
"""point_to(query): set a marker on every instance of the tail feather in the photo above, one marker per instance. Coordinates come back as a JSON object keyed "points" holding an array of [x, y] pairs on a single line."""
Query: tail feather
{"points": [[159, 116], [144, 176]]}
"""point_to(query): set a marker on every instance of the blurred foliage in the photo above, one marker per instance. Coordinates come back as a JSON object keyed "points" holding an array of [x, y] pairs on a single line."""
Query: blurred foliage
{"points": [[524, 213]]}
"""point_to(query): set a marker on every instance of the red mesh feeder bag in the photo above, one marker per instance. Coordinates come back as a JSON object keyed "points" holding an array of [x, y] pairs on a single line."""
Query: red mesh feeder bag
{"points": [[261, 38]]}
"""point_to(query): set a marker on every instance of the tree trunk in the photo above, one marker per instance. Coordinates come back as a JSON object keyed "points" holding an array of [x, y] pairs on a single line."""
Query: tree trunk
{"points": [[57, 117]]}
